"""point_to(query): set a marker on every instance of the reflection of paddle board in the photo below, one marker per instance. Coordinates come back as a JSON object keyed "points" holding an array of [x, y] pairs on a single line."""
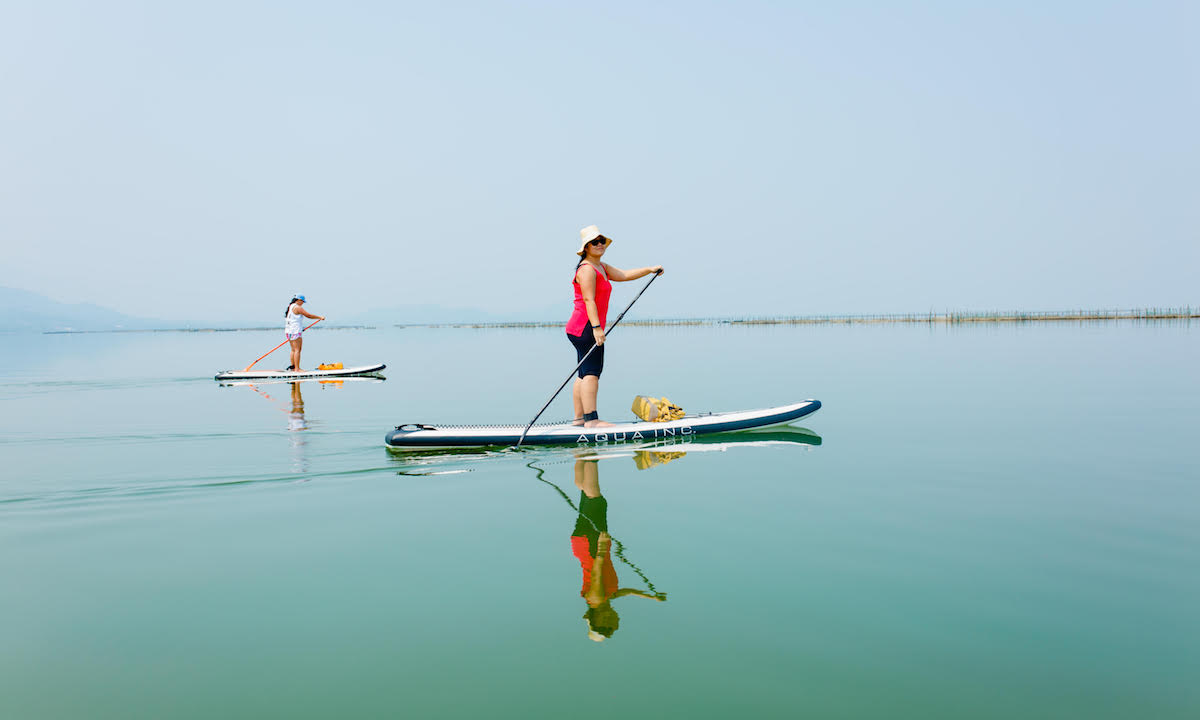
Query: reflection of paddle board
{"points": [[321, 381], [418, 436], [293, 375], [761, 437]]}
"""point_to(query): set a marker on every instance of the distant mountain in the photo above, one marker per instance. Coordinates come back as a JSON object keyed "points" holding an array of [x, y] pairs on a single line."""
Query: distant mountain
{"points": [[24, 310]]}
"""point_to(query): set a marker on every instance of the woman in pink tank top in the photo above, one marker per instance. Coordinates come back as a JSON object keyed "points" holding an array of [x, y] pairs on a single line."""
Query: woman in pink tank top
{"points": [[585, 329]]}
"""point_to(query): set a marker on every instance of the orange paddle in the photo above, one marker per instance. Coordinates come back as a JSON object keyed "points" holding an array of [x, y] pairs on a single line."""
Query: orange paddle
{"points": [[285, 342]]}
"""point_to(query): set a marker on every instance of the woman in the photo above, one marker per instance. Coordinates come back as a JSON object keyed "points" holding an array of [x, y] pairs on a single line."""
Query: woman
{"points": [[593, 286], [293, 330]]}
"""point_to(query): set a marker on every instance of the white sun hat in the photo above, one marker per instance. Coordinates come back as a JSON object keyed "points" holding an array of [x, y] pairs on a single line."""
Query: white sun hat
{"points": [[588, 234]]}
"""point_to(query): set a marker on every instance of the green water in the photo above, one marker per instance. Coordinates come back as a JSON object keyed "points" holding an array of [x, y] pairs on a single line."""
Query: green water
{"points": [[997, 522]]}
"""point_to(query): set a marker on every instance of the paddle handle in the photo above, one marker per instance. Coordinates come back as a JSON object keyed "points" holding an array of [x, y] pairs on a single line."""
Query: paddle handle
{"points": [[285, 342]]}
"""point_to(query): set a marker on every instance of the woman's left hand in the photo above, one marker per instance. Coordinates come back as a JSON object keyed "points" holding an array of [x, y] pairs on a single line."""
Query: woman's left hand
{"points": [[657, 269]]}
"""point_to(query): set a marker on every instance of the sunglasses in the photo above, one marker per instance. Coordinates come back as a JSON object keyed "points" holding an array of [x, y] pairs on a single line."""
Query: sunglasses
{"points": [[598, 241]]}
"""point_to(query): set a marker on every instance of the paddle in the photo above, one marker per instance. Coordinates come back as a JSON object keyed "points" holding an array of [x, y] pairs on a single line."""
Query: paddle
{"points": [[285, 342], [585, 357]]}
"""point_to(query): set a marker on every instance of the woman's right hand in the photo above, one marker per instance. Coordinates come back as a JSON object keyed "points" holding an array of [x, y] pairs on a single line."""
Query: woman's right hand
{"points": [[598, 333]]}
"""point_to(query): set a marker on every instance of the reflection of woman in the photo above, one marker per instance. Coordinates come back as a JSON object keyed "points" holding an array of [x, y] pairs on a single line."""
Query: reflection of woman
{"points": [[592, 546], [296, 425], [593, 285], [293, 330], [296, 416]]}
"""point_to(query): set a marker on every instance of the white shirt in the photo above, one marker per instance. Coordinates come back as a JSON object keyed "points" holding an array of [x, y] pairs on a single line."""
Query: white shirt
{"points": [[292, 325]]}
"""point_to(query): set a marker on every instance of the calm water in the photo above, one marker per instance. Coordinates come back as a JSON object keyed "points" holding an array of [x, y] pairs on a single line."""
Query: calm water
{"points": [[985, 522]]}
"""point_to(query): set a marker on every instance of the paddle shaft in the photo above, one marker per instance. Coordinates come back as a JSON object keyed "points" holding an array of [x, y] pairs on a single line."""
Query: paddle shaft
{"points": [[285, 342], [585, 357]]}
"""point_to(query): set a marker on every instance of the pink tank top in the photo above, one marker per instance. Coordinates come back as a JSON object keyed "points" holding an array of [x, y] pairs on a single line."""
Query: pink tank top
{"points": [[579, 319]]}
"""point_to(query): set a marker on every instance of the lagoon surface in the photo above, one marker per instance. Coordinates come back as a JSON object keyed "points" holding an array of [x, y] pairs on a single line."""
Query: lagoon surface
{"points": [[985, 521]]}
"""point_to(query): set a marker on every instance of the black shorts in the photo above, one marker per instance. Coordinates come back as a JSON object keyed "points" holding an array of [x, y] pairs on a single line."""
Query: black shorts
{"points": [[595, 361]]}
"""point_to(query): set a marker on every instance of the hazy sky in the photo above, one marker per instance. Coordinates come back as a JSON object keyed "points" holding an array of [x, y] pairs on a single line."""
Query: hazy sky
{"points": [[205, 160]]}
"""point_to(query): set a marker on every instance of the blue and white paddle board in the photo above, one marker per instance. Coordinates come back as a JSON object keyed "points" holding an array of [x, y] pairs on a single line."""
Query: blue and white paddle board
{"points": [[419, 436]]}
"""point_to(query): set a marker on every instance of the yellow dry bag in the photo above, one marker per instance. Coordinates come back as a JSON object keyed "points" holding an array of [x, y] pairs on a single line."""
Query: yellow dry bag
{"points": [[654, 409]]}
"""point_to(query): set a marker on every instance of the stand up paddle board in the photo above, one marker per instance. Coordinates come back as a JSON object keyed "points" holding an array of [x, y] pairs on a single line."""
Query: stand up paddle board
{"points": [[417, 436], [294, 375]]}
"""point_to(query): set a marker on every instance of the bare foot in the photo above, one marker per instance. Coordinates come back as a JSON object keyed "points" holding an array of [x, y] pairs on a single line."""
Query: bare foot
{"points": [[597, 424], [577, 422]]}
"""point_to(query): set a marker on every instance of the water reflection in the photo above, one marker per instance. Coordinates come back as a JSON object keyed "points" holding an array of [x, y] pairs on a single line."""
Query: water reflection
{"points": [[593, 547], [646, 459], [296, 416], [603, 559], [297, 422], [295, 408], [668, 449]]}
